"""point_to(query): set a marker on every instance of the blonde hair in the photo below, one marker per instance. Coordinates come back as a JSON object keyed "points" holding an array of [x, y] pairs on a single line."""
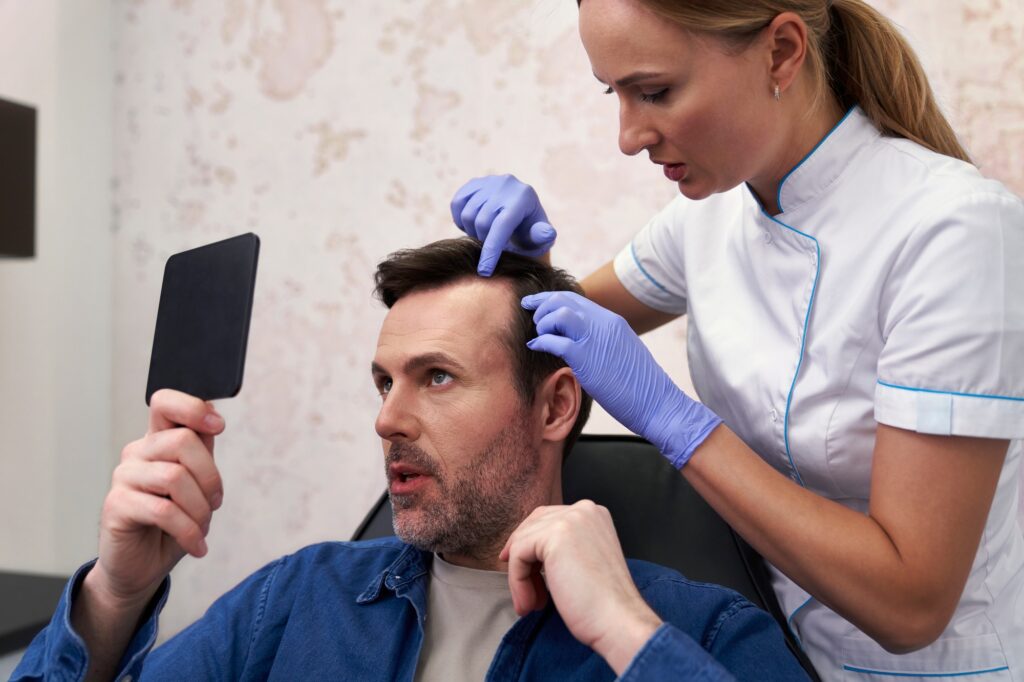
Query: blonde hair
{"points": [[852, 50]]}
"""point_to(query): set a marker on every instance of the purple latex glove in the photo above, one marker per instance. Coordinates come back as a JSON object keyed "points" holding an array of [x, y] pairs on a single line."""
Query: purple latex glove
{"points": [[505, 214], [614, 366]]}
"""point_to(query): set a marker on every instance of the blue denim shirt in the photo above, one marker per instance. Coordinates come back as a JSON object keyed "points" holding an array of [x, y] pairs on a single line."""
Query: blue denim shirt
{"points": [[355, 611]]}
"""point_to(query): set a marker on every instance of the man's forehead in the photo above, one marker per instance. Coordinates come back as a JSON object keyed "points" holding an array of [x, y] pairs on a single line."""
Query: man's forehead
{"points": [[465, 319]]}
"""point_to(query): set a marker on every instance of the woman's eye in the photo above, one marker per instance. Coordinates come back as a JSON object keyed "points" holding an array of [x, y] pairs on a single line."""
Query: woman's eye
{"points": [[608, 90], [653, 97], [439, 378]]}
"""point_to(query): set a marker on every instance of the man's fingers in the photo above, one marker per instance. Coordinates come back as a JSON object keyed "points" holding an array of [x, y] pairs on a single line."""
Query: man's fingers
{"points": [[169, 409], [149, 510], [527, 593], [185, 447], [167, 479]]}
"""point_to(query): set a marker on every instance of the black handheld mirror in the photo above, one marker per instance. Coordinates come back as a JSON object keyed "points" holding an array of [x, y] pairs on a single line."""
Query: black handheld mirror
{"points": [[202, 324]]}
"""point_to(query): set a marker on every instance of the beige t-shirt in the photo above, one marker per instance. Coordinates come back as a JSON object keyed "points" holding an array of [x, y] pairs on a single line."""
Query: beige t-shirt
{"points": [[468, 612]]}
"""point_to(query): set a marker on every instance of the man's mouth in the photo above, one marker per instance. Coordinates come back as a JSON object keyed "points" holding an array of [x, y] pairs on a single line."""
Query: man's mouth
{"points": [[407, 483], [405, 478]]}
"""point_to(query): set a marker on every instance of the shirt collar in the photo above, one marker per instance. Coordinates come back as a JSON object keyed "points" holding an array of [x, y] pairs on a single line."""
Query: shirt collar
{"points": [[410, 565], [823, 165]]}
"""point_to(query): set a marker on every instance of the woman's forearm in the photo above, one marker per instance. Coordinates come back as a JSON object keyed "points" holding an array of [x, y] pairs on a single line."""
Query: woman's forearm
{"points": [[847, 560]]}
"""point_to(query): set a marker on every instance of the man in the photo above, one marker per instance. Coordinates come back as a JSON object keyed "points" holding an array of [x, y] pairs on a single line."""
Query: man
{"points": [[474, 427]]}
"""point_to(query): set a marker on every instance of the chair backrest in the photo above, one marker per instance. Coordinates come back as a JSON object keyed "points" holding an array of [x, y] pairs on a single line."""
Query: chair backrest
{"points": [[659, 518]]}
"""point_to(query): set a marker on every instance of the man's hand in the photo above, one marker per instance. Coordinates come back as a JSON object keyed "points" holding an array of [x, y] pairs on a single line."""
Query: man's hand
{"points": [[586, 575], [159, 507]]}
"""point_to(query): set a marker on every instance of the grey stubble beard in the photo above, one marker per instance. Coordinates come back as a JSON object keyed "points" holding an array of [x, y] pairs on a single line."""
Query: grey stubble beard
{"points": [[476, 507]]}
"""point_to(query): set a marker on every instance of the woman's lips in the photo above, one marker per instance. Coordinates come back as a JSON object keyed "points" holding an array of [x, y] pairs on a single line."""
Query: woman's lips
{"points": [[675, 172]]}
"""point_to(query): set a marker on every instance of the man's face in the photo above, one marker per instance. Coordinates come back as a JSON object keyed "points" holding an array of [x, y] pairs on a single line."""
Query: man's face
{"points": [[462, 450]]}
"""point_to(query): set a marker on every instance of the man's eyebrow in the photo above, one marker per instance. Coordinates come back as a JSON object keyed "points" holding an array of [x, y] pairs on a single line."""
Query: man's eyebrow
{"points": [[420, 361], [626, 81]]}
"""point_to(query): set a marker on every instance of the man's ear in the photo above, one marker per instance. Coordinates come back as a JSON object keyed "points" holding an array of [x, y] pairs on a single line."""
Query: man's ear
{"points": [[559, 398]]}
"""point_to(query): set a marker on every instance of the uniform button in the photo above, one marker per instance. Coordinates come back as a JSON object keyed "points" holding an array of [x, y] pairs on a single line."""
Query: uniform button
{"points": [[767, 237], [773, 415]]}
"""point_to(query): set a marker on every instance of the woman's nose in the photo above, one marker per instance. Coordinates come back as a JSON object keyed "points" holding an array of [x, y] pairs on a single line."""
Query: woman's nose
{"points": [[397, 419], [635, 132]]}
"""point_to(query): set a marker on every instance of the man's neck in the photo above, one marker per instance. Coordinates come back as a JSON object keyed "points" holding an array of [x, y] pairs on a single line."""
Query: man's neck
{"points": [[485, 557]]}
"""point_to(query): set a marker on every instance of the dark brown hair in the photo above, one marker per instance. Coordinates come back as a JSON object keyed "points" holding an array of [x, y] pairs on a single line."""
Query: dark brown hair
{"points": [[451, 260]]}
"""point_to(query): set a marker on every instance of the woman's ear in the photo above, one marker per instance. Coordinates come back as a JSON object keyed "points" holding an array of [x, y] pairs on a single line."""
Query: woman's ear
{"points": [[787, 42], [559, 398]]}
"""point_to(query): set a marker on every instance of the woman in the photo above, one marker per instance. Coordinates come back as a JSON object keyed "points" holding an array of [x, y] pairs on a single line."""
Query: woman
{"points": [[855, 299]]}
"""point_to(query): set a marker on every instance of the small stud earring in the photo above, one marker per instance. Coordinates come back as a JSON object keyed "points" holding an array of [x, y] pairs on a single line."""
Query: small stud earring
{"points": [[778, 93]]}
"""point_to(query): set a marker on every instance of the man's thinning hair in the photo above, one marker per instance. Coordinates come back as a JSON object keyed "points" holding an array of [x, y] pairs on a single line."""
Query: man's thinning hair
{"points": [[451, 260]]}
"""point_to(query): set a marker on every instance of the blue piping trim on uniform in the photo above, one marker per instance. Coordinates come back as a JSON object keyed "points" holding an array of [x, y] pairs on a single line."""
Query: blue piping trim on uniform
{"points": [[895, 674], [789, 622], [778, 196], [632, 250], [803, 340], [965, 395]]}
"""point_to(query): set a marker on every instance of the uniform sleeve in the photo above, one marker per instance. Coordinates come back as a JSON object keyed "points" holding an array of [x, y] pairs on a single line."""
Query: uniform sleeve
{"points": [[651, 265], [952, 320]]}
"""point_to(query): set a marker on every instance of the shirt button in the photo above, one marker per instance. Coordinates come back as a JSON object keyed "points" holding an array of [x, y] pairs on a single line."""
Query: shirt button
{"points": [[126, 678]]}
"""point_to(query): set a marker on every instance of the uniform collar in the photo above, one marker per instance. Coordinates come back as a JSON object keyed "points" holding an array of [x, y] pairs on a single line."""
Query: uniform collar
{"points": [[823, 165]]}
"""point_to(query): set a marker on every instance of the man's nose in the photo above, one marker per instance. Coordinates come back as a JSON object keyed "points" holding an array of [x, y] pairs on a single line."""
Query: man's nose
{"points": [[635, 132], [397, 419]]}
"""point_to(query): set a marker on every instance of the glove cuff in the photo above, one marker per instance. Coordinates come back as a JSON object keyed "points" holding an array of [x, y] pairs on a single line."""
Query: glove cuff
{"points": [[682, 429]]}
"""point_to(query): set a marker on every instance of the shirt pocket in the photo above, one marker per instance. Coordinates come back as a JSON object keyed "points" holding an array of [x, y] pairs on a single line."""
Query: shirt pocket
{"points": [[978, 658]]}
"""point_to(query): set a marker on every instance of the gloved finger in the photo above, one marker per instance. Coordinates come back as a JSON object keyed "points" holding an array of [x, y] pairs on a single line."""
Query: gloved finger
{"points": [[560, 299], [564, 322], [469, 212], [554, 344], [487, 218], [533, 301], [540, 238], [496, 240], [461, 197]]}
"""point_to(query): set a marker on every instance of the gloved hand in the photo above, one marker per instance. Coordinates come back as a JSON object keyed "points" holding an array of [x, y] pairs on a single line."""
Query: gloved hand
{"points": [[504, 214], [614, 366]]}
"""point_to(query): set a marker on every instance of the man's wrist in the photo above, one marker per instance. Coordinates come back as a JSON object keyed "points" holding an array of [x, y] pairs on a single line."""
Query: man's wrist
{"points": [[622, 642], [97, 586]]}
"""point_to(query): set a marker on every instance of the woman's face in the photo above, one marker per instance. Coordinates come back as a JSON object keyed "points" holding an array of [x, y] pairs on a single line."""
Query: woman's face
{"points": [[702, 112]]}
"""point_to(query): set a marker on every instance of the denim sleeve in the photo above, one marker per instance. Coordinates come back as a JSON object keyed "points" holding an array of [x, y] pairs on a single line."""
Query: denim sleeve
{"points": [[740, 642], [215, 647], [58, 652], [671, 654]]}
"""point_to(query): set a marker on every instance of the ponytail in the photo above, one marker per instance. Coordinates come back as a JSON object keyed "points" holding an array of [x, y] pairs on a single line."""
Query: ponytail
{"points": [[853, 51], [868, 63]]}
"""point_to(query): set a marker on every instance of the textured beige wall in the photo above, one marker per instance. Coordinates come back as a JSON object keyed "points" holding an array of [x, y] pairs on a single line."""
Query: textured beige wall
{"points": [[55, 308], [337, 131]]}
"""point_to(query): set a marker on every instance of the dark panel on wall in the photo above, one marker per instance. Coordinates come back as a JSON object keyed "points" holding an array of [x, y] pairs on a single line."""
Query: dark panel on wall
{"points": [[17, 179]]}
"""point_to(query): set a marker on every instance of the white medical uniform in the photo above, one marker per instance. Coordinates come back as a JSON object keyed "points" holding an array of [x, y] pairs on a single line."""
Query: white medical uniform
{"points": [[889, 290]]}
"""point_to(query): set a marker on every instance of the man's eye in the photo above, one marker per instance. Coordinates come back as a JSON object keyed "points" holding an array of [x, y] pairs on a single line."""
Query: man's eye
{"points": [[653, 97], [384, 387], [440, 378]]}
